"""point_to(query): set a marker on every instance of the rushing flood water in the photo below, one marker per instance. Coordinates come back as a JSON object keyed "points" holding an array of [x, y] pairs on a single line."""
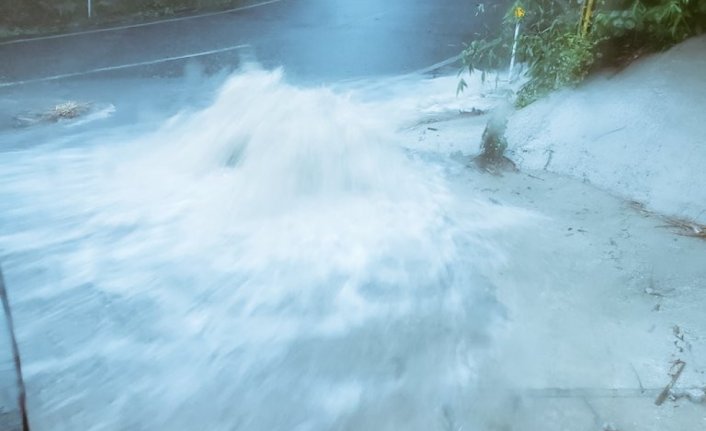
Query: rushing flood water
{"points": [[273, 261]]}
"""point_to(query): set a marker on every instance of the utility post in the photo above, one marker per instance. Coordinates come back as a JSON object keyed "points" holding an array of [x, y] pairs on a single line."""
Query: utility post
{"points": [[519, 13], [13, 393], [89, 4], [586, 16]]}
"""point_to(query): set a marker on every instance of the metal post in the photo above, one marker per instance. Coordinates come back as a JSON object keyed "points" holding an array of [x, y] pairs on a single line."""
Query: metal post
{"points": [[586, 15], [519, 13], [90, 8], [514, 51], [21, 391]]}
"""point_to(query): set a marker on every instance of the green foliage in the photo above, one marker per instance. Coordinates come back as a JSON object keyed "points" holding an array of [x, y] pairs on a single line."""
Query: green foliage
{"points": [[649, 24], [556, 53], [555, 60]]}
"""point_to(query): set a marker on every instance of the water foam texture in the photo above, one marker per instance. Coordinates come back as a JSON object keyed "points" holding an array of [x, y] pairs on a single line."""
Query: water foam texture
{"points": [[273, 261]]}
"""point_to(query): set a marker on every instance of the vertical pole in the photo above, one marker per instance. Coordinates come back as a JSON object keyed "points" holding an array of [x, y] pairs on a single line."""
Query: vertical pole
{"points": [[514, 51], [519, 13], [21, 391], [586, 16], [90, 8]]}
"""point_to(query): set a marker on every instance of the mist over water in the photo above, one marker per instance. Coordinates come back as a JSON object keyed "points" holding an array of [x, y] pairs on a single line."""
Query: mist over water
{"points": [[274, 261]]}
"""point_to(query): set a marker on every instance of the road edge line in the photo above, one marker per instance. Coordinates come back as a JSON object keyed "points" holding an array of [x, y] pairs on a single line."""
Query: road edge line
{"points": [[123, 66], [143, 24]]}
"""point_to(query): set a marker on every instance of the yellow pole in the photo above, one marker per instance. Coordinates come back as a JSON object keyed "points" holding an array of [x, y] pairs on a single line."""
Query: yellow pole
{"points": [[586, 15]]}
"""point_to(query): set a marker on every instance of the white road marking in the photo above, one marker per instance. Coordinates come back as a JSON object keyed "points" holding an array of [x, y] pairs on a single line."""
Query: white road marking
{"points": [[438, 65], [144, 24], [123, 66]]}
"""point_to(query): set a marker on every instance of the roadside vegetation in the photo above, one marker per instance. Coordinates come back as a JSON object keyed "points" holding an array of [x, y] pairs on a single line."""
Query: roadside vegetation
{"points": [[38, 17], [561, 41]]}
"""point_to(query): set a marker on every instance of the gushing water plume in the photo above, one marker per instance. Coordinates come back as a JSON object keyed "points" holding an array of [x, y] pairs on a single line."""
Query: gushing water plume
{"points": [[274, 261]]}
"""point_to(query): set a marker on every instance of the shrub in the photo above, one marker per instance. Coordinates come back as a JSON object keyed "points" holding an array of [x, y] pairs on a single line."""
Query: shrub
{"points": [[556, 52], [636, 26]]}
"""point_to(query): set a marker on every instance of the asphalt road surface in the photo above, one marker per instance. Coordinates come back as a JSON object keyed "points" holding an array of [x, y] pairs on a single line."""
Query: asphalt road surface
{"points": [[315, 40]]}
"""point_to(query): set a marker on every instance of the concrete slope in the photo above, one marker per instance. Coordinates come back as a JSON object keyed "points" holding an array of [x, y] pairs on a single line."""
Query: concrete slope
{"points": [[639, 133]]}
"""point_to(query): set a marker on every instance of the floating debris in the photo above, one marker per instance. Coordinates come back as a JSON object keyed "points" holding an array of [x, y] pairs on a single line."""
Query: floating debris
{"points": [[687, 228], [69, 110], [474, 112], [676, 371], [683, 227]]}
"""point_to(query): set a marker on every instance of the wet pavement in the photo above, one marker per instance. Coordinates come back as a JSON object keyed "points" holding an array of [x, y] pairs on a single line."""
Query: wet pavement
{"points": [[315, 40]]}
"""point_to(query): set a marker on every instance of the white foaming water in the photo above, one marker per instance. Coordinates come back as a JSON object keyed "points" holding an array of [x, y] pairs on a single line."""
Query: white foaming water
{"points": [[274, 261]]}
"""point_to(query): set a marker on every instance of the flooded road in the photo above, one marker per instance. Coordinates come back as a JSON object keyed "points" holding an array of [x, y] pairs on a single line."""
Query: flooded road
{"points": [[251, 264], [223, 245]]}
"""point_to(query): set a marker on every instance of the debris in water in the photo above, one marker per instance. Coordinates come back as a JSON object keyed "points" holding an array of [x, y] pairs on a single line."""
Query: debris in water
{"points": [[67, 110], [686, 227], [678, 367], [474, 112], [63, 111], [683, 227]]}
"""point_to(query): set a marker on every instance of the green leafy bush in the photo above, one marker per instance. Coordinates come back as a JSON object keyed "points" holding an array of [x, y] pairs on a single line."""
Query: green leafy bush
{"points": [[549, 43], [555, 60], [631, 27], [556, 52]]}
